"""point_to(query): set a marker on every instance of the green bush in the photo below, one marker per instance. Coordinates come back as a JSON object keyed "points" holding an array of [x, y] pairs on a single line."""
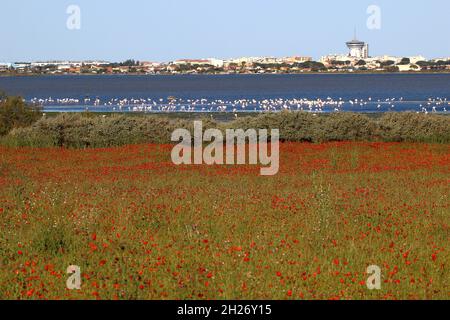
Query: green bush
{"points": [[414, 127], [302, 126], [347, 126], [294, 126], [15, 113], [81, 131]]}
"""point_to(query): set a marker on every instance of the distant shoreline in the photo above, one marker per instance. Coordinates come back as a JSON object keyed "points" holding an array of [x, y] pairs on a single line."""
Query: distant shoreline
{"points": [[225, 74]]}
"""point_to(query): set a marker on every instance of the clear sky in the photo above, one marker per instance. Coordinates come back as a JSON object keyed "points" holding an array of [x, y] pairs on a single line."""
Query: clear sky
{"points": [[163, 30]]}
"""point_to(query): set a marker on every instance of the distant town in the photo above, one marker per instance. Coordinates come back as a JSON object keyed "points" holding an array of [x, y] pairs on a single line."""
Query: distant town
{"points": [[356, 60]]}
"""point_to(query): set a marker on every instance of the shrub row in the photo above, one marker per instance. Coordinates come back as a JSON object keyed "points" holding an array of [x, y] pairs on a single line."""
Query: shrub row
{"points": [[80, 131], [307, 127]]}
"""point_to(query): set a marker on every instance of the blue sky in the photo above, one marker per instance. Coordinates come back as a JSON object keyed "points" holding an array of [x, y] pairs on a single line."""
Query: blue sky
{"points": [[163, 30]]}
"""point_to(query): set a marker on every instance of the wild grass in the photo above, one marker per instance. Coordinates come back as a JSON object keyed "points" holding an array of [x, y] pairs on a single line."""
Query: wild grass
{"points": [[140, 227]]}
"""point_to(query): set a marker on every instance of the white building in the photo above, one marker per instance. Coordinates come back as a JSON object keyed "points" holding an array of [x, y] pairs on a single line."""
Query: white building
{"points": [[192, 62], [387, 58], [244, 60], [358, 49], [63, 67], [5, 66], [21, 65], [408, 67], [296, 59], [335, 57], [218, 63], [441, 59], [150, 64], [416, 59], [64, 64]]}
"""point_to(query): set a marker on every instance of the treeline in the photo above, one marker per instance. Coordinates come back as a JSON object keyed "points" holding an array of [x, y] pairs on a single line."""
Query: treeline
{"points": [[84, 131]]}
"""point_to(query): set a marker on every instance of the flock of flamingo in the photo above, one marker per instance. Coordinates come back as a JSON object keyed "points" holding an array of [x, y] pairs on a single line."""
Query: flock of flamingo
{"points": [[172, 104]]}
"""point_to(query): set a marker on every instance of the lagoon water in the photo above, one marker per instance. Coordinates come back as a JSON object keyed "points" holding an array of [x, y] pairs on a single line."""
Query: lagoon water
{"points": [[236, 93]]}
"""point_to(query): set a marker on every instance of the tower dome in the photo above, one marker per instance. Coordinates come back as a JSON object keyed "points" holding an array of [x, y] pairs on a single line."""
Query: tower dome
{"points": [[358, 49]]}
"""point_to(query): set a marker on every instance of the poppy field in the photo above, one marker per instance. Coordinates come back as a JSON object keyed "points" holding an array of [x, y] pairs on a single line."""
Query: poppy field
{"points": [[140, 227]]}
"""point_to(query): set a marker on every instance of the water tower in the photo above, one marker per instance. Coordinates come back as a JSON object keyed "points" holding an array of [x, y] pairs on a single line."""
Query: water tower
{"points": [[358, 49]]}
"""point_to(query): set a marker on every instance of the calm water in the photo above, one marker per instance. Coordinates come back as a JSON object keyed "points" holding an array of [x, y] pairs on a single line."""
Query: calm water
{"points": [[235, 93]]}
